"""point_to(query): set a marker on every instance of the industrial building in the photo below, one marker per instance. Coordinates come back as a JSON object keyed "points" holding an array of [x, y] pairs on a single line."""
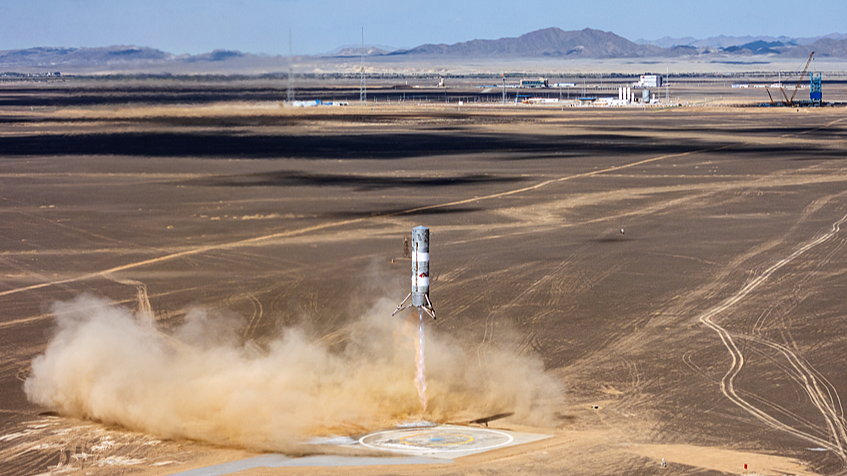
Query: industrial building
{"points": [[649, 81], [534, 83]]}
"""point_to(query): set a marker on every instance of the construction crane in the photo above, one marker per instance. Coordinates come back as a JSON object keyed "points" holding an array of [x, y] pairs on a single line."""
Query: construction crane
{"points": [[790, 102], [787, 102]]}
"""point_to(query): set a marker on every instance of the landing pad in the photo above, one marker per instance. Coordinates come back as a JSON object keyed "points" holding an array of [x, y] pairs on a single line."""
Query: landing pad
{"points": [[444, 441], [438, 444]]}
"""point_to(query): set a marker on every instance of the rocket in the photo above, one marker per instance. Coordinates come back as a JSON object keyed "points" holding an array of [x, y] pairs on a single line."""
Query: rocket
{"points": [[420, 273]]}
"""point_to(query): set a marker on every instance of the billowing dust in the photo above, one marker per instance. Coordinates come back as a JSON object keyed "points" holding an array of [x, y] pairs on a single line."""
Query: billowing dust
{"points": [[203, 382]]}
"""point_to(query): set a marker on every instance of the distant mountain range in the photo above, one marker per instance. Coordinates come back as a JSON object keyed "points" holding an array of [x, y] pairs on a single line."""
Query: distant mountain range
{"points": [[355, 50], [112, 55], [589, 43], [729, 41], [555, 42], [546, 43]]}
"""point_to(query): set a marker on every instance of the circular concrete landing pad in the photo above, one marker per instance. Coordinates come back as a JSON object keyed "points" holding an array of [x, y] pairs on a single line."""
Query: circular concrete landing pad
{"points": [[432, 444], [444, 440]]}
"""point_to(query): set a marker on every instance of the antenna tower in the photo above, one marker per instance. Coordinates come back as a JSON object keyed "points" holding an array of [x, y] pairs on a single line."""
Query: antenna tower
{"points": [[363, 88], [290, 67], [667, 86]]}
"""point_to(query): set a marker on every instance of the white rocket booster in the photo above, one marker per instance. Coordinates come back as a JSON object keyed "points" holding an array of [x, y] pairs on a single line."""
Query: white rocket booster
{"points": [[420, 273]]}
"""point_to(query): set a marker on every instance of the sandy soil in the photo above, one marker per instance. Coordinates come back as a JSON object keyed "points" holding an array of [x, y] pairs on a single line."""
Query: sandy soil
{"points": [[710, 333]]}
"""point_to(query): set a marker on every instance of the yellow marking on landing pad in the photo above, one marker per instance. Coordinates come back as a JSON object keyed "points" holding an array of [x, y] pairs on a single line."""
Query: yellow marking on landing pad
{"points": [[469, 439]]}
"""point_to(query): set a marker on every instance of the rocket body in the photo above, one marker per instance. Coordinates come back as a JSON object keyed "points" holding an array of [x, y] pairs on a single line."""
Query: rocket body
{"points": [[420, 266], [420, 273]]}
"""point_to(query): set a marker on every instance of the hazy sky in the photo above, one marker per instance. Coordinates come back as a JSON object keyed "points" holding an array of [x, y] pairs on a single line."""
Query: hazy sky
{"points": [[318, 26]]}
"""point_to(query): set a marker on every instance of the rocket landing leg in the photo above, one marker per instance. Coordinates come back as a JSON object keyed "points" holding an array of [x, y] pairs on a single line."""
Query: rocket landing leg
{"points": [[400, 306], [428, 307]]}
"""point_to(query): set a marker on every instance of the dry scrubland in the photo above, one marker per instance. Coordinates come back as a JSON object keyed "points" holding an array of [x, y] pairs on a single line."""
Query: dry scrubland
{"points": [[238, 263]]}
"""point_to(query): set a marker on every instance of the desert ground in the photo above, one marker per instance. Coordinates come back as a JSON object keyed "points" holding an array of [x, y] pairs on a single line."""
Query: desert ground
{"points": [[676, 275]]}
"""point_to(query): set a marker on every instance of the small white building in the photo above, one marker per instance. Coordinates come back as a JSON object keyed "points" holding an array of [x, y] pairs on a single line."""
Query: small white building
{"points": [[611, 102], [540, 101]]}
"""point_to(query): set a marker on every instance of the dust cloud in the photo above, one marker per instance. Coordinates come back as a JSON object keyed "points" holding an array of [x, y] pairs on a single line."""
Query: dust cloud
{"points": [[202, 382]]}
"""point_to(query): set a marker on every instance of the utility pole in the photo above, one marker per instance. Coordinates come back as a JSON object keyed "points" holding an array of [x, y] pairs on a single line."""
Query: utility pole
{"points": [[290, 67], [667, 93], [504, 88], [363, 89]]}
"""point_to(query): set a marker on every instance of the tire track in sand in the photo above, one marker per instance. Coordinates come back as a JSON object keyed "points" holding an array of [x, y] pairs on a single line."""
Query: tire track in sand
{"points": [[256, 318], [144, 307], [302, 231], [822, 399]]}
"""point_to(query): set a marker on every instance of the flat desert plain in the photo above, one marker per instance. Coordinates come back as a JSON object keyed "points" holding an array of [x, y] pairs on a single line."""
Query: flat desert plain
{"points": [[186, 285]]}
